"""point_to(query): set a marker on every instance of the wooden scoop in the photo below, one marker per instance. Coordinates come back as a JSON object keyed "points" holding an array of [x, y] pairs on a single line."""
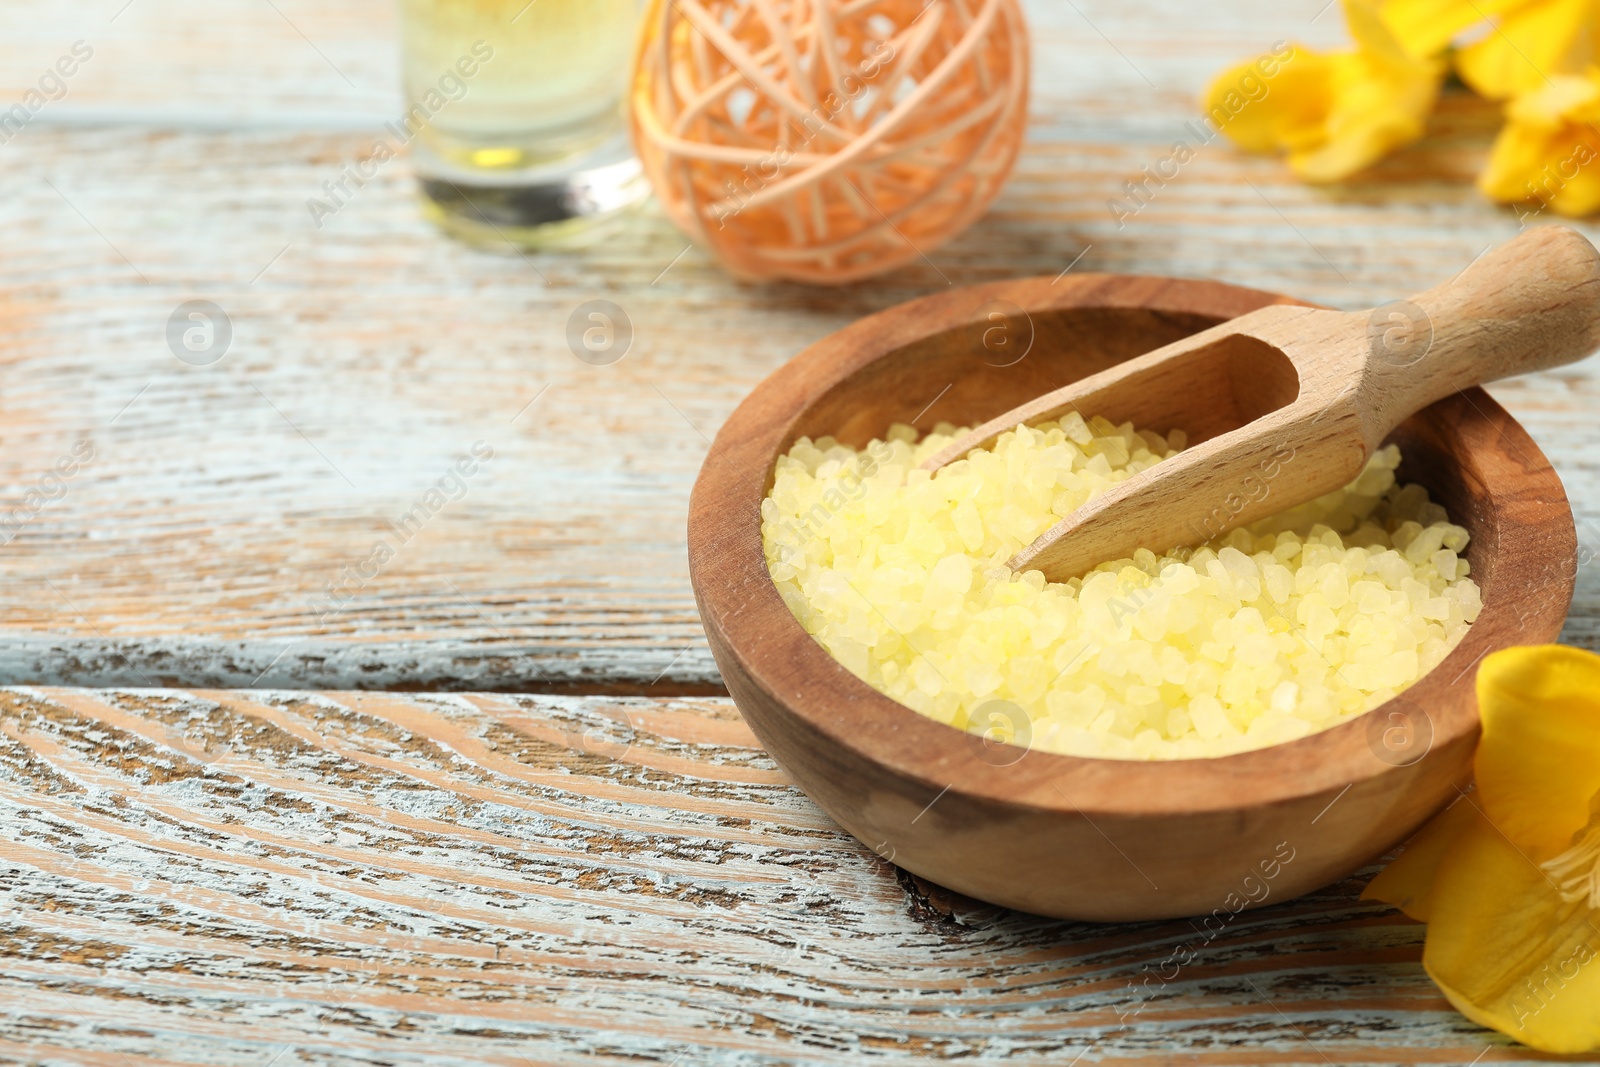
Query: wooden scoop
{"points": [[1287, 403]]}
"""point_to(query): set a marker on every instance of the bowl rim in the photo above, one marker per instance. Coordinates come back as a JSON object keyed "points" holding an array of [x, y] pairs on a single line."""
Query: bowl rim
{"points": [[747, 619]]}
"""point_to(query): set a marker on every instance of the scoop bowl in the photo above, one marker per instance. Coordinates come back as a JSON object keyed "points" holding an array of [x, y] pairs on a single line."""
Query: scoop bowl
{"points": [[1074, 837]]}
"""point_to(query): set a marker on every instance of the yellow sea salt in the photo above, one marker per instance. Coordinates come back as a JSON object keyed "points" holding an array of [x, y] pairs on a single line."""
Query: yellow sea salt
{"points": [[1272, 632]]}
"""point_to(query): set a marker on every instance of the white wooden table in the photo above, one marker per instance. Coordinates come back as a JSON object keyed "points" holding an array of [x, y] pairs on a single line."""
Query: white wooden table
{"points": [[541, 834]]}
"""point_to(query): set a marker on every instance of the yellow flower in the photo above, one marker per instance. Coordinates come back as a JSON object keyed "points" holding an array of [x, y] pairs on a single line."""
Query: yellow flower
{"points": [[1518, 44], [1508, 880], [1333, 113], [1547, 146]]}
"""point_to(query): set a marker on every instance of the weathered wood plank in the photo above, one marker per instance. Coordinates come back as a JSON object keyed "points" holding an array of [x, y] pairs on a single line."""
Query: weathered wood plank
{"points": [[297, 64], [279, 877], [295, 877], [221, 501]]}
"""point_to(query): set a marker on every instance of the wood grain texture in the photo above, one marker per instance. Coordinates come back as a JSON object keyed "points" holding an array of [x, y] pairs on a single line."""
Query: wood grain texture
{"points": [[282, 877], [357, 878], [217, 506]]}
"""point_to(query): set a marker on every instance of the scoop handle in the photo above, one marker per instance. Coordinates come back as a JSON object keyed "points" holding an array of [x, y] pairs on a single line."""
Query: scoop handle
{"points": [[1529, 305]]}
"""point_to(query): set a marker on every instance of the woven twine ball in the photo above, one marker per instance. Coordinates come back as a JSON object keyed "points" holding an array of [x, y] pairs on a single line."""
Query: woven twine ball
{"points": [[826, 141]]}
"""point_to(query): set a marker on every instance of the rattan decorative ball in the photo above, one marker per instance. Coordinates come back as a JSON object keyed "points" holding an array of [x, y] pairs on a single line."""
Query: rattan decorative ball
{"points": [[826, 141]]}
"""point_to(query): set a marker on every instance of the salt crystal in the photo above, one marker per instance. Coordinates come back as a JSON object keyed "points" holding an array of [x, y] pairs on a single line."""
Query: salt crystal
{"points": [[1294, 624]]}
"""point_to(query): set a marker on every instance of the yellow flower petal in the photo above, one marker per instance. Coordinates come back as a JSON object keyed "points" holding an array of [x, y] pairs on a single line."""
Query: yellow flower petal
{"points": [[1580, 195], [1506, 950], [1365, 20], [1260, 113], [1426, 27], [1363, 146], [1407, 883], [1334, 114], [1561, 98], [1375, 107], [1548, 148], [1538, 765], [1526, 46], [1519, 154]]}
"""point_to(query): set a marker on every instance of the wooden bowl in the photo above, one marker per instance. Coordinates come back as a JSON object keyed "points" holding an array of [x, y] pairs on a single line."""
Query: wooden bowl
{"points": [[1084, 838]]}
